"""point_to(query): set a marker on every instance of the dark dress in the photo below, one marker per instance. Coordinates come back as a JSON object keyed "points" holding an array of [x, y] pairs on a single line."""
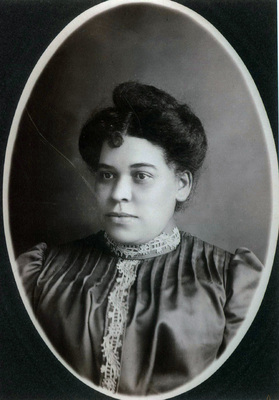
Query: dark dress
{"points": [[182, 308]]}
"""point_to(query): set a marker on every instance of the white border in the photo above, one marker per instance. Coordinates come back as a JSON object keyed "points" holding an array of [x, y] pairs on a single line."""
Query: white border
{"points": [[47, 55]]}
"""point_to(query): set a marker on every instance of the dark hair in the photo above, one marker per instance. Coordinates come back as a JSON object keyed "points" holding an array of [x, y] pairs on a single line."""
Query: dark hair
{"points": [[146, 112]]}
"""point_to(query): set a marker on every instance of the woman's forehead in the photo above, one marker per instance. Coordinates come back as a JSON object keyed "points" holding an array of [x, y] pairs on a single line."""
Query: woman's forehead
{"points": [[133, 151]]}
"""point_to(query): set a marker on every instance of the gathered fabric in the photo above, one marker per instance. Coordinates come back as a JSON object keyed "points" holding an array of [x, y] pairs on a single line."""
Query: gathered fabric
{"points": [[139, 324]]}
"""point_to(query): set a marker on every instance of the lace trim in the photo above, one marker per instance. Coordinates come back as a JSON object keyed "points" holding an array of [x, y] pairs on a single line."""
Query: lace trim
{"points": [[116, 318], [159, 245]]}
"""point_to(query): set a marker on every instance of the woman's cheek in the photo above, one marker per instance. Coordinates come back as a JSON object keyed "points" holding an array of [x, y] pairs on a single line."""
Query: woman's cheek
{"points": [[101, 191]]}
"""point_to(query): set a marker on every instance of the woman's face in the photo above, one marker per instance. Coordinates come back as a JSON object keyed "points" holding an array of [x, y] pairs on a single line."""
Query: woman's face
{"points": [[137, 191]]}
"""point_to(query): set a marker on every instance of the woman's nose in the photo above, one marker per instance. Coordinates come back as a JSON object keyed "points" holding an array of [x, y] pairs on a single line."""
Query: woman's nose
{"points": [[122, 190]]}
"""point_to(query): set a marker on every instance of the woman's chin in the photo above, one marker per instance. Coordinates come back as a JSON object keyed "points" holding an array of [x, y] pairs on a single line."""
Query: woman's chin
{"points": [[127, 235], [124, 236]]}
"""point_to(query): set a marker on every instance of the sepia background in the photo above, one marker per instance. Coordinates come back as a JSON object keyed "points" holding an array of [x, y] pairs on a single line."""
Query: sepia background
{"points": [[49, 201]]}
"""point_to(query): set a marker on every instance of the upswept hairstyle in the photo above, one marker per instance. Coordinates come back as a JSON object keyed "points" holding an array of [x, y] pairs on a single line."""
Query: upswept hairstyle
{"points": [[146, 112]]}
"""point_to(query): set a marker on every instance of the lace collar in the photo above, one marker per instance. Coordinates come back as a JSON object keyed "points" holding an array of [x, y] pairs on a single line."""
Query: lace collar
{"points": [[164, 243]]}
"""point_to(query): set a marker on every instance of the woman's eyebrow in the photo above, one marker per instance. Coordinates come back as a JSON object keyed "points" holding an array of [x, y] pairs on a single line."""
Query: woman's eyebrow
{"points": [[106, 166], [139, 165]]}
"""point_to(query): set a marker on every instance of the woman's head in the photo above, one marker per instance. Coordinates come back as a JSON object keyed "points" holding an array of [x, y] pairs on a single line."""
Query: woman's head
{"points": [[146, 151], [149, 113]]}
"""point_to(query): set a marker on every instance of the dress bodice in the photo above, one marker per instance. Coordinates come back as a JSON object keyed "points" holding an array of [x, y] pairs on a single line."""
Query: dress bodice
{"points": [[182, 307]]}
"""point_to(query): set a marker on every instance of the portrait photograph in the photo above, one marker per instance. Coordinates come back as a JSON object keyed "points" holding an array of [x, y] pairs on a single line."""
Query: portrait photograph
{"points": [[140, 200]]}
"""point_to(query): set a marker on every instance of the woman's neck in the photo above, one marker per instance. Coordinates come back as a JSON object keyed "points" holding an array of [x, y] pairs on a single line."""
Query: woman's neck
{"points": [[169, 227], [164, 243]]}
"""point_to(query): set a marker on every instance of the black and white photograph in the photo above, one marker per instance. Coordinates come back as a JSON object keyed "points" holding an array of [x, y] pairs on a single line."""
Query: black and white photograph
{"points": [[140, 204]]}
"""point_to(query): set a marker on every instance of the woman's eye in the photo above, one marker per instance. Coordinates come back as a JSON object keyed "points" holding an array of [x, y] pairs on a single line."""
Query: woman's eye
{"points": [[142, 176], [106, 176]]}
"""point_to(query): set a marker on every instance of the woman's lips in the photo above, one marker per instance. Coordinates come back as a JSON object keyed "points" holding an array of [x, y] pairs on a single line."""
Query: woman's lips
{"points": [[121, 218], [124, 215]]}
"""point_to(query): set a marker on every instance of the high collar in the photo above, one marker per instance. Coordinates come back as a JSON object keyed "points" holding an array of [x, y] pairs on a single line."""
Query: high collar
{"points": [[162, 244]]}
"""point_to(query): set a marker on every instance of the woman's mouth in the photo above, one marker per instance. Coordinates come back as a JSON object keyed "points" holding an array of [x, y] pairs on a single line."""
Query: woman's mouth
{"points": [[120, 218]]}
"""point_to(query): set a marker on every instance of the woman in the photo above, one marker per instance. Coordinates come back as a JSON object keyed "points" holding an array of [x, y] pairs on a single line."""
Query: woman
{"points": [[140, 308]]}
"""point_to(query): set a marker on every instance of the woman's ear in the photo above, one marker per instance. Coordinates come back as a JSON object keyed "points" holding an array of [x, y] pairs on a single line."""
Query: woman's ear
{"points": [[184, 185]]}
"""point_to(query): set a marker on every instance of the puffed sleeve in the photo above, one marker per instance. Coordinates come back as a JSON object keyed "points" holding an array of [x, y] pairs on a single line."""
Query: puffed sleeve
{"points": [[30, 265], [241, 278]]}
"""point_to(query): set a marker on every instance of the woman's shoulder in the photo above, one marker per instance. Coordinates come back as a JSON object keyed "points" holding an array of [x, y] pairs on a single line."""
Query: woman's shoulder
{"points": [[43, 252], [88, 243], [200, 248], [243, 260], [43, 260]]}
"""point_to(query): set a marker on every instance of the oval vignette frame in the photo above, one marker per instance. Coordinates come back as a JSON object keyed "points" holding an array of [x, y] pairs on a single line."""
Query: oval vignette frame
{"points": [[70, 29]]}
